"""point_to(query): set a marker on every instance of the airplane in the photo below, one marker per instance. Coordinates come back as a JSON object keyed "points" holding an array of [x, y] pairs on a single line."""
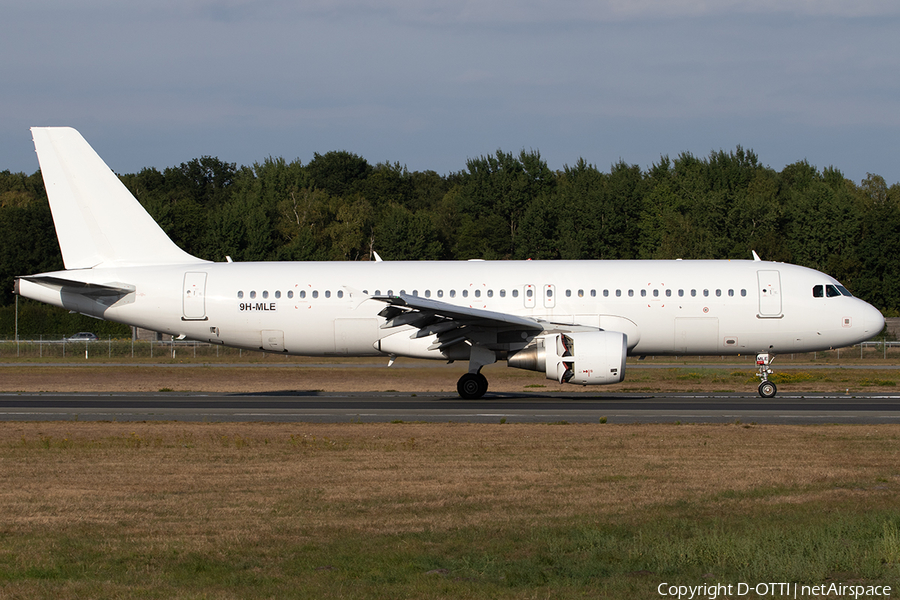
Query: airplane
{"points": [[574, 321]]}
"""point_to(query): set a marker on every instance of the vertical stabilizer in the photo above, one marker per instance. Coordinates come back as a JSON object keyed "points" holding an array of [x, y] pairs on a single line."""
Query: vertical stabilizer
{"points": [[98, 221]]}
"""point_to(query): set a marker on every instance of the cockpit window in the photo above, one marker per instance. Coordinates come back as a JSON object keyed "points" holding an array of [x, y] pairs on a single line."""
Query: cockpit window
{"points": [[830, 291]]}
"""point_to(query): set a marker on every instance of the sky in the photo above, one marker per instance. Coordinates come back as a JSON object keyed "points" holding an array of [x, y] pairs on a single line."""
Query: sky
{"points": [[431, 83]]}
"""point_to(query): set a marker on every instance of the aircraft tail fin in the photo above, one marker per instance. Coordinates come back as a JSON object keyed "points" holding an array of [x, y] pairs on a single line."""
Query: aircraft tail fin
{"points": [[98, 221]]}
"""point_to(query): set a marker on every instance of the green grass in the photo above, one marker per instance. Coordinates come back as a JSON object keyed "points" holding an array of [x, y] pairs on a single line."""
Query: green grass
{"points": [[685, 544]]}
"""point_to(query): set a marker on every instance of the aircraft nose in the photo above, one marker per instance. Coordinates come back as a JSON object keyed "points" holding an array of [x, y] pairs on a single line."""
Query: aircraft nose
{"points": [[873, 320]]}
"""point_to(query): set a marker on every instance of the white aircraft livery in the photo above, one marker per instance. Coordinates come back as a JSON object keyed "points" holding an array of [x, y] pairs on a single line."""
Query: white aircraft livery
{"points": [[575, 321]]}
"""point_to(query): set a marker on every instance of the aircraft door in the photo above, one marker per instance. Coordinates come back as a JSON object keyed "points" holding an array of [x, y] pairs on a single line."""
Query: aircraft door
{"points": [[769, 293], [194, 297], [697, 335]]}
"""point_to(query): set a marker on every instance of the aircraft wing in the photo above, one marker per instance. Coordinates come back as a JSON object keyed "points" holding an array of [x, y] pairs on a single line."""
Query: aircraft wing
{"points": [[453, 324]]}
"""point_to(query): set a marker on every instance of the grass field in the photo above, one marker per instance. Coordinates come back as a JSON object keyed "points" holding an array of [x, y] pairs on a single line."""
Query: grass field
{"points": [[111, 365], [410, 510], [172, 510], [421, 376]]}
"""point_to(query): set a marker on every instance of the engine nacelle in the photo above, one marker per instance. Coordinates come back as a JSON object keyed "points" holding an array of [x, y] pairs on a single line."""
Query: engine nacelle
{"points": [[585, 358]]}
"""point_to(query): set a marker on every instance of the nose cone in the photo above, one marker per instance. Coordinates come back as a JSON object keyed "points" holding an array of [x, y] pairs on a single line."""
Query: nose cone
{"points": [[872, 320]]}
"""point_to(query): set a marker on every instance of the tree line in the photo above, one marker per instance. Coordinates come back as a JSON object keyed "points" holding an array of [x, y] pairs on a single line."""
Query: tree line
{"points": [[338, 206]]}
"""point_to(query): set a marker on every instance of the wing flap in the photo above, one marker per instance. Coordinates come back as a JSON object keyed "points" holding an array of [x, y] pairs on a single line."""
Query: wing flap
{"points": [[443, 312]]}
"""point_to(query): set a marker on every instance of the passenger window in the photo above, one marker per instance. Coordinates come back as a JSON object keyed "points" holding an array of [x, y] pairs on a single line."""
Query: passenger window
{"points": [[581, 293], [253, 294], [718, 293], [453, 293], [478, 293], [593, 293], [377, 293], [490, 293], [440, 293], [465, 293], [731, 292], [315, 294], [328, 293], [549, 293], [568, 293], [529, 293], [706, 292], [680, 293], [643, 293], [265, 294], [277, 294], [291, 293], [656, 293], [618, 293], [340, 294], [303, 293], [668, 293], [240, 294], [743, 292], [428, 293], [503, 293], [630, 293], [693, 293], [391, 293], [515, 293]]}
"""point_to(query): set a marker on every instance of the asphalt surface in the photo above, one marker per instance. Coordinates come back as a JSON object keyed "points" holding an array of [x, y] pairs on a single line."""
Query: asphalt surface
{"points": [[438, 407]]}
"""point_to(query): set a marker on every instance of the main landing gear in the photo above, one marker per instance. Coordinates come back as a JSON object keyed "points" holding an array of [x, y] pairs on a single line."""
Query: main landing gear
{"points": [[767, 389], [473, 384]]}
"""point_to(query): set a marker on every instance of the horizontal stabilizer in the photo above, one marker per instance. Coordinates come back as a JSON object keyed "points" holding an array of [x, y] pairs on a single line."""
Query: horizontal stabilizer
{"points": [[91, 290]]}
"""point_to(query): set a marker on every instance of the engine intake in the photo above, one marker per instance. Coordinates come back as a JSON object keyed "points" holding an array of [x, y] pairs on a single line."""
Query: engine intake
{"points": [[586, 358]]}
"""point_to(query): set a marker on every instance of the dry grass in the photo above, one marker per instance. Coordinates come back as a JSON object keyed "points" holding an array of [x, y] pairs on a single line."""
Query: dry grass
{"points": [[260, 480], [421, 376], [374, 510]]}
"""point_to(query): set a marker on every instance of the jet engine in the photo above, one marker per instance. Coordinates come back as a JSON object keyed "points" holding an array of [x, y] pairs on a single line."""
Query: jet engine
{"points": [[586, 358]]}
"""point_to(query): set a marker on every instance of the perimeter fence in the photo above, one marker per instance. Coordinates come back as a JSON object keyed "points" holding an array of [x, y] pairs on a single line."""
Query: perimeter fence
{"points": [[58, 348], [111, 348]]}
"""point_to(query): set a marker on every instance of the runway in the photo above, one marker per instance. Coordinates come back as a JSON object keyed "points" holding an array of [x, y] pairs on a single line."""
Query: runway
{"points": [[436, 407]]}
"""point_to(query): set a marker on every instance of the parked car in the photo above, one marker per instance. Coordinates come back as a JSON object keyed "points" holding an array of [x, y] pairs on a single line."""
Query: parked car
{"points": [[83, 336]]}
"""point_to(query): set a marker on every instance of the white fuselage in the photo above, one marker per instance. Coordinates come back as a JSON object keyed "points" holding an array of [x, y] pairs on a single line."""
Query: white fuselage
{"points": [[324, 308]]}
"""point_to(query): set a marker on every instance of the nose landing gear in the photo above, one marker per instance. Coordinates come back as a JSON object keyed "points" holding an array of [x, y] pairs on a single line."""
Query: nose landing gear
{"points": [[766, 388]]}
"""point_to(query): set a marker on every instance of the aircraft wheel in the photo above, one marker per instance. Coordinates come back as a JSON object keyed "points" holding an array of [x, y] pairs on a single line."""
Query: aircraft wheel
{"points": [[472, 386], [767, 389]]}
